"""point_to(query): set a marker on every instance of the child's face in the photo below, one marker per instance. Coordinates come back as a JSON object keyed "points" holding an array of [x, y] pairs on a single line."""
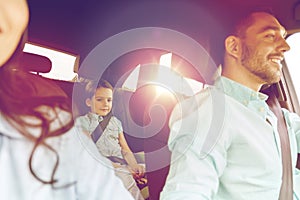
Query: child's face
{"points": [[101, 102]]}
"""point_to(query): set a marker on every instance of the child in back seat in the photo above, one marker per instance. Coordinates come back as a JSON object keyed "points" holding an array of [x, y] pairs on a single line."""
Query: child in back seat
{"points": [[110, 140]]}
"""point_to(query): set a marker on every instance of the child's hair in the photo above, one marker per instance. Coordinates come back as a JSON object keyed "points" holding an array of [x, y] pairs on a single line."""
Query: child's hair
{"points": [[92, 86]]}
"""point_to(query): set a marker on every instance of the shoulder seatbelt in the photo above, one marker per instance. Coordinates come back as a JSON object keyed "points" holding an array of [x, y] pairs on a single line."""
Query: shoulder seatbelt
{"points": [[286, 190], [98, 132], [101, 127]]}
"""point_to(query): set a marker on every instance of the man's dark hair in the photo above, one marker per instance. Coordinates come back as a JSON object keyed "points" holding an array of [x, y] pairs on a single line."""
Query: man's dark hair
{"points": [[234, 23], [245, 20]]}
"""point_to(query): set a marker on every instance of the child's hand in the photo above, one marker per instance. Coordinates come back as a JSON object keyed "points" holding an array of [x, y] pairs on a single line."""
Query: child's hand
{"points": [[137, 171]]}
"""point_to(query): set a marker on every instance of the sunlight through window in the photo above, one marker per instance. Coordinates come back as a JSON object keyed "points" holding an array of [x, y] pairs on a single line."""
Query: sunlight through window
{"points": [[292, 59], [166, 79], [131, 82]]}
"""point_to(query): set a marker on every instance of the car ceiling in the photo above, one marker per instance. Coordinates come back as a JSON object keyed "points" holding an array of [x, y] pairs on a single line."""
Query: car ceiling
{"points": [[77, 26]]}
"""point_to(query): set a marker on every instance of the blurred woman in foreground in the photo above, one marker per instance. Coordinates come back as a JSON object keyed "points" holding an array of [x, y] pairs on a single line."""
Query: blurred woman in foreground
{"points": [[41, 155]]}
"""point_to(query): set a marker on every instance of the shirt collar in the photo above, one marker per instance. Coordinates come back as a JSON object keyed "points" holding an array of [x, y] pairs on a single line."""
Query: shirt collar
{"points": [[254, 100], [94, 117]]}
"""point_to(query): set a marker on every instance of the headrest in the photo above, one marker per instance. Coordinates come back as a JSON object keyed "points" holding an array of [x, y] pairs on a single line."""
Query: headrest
{"points": [[35, 63]]}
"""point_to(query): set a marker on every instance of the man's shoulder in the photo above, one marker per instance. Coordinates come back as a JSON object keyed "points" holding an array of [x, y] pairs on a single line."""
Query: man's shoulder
{"points": [[190, 105], [207, 97], [200, 111], [292, 119]]}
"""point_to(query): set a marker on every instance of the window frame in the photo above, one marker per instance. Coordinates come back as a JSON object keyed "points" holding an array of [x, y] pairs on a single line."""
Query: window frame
{"points": [[287, 87]]}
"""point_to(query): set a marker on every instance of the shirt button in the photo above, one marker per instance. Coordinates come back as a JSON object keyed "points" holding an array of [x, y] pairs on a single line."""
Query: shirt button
{"points": [[261, 109]]}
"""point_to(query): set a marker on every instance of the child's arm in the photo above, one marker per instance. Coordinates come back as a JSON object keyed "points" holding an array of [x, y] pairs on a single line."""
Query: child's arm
{"points": [[137, 169]]}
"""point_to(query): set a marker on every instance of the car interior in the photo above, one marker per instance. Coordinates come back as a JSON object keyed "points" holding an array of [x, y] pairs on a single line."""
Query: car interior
{"points": [[81, 29]]}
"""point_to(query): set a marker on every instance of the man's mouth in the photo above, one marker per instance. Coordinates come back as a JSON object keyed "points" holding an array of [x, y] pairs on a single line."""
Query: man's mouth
{"points": [[277, 60]]}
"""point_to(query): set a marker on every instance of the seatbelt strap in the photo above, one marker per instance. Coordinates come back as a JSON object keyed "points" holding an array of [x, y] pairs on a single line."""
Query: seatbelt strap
{"points": [[98, 132], [101, 127], [286, 190]]}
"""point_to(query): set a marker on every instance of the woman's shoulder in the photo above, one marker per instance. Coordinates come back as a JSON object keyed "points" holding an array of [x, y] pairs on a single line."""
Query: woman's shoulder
{"points": [[76, 143], [7, 129]]}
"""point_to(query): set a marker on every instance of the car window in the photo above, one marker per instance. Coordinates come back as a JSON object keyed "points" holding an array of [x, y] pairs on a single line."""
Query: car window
{"points": [[292, 59], [64, 65]]}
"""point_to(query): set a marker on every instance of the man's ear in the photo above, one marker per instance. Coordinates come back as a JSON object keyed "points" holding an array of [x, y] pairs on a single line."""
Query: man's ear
{"points": [[88, 102], [233, 46]]}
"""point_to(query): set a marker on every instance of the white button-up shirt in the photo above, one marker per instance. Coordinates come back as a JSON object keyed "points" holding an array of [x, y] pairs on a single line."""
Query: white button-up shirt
{"points": [[223, 148]]}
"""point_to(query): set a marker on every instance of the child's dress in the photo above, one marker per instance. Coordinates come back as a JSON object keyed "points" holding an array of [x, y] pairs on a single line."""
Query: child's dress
{"points": [[108, 145]]}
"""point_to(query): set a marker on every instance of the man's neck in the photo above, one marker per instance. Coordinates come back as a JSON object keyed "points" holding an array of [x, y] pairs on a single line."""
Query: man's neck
{"points": [[240, 75]]}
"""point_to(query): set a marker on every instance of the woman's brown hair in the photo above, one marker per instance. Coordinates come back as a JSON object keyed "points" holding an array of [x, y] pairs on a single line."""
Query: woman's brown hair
{"points": [[26, 96]]}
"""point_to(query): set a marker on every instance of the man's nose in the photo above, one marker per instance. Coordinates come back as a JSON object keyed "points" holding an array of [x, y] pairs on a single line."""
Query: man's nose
{"points": [[284, 46]]}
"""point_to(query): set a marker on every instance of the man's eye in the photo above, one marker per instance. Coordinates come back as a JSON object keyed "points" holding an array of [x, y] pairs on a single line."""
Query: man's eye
{"points": [[270, 36]]}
